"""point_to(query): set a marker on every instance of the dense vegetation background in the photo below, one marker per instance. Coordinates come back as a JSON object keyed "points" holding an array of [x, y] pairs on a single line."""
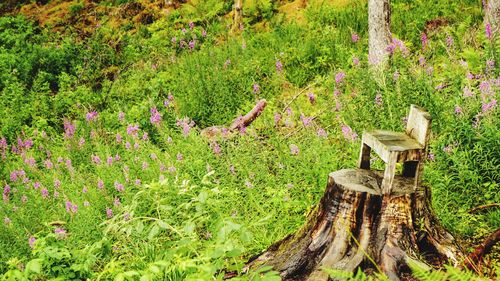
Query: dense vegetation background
{"points": [[103, 171]]}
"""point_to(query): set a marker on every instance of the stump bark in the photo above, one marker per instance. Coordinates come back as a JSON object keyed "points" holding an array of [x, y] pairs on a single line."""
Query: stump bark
{"points": [[356, 226]]}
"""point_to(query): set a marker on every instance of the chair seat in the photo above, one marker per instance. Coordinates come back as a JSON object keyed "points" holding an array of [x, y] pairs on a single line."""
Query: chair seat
{"points": [[386, 142]]}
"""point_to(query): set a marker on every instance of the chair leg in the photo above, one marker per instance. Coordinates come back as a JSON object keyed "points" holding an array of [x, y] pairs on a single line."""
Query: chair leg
{"points": [[390, 171], [364, 157], [418, 174], [410, 169]]}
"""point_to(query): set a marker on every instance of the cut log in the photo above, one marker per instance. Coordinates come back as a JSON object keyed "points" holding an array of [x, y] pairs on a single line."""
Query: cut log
{"points": [[355, 226]]}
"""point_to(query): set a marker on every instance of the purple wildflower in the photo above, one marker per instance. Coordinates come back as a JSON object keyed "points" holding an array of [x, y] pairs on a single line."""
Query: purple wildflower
{"points": [[137, 182], [91, 116], [45, 193], [31, 242], [119, 187], [57, 183], [467, 92], [449, 41], [186, 124], [118, 138], [485, 87], [204, 33], [354, 37], [227, 63], [312, 98], [48, 164], [306, 121], [192, 44], [155, 116], [458, 110], [180, 157], [132, 130], [109, 160], [37, 185], [322, 133], [69, 128], [60, 233], [109, 213], [96, 159], [100, 184], [277, 118], [215, 148], [488, 106], [7, 221], [424, 40], [395, 76], [121, 116], [256, 88], [487, 29], [348, 133], [71, 207], [294, 150], [355, 61], [279, 66], [339, 77]]}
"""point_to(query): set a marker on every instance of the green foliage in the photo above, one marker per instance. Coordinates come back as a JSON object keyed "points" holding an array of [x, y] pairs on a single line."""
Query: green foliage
{"points": [[190, 208]]}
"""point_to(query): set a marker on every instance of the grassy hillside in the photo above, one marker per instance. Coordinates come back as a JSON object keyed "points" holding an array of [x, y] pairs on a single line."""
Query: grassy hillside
{"points": [[105, 175]]}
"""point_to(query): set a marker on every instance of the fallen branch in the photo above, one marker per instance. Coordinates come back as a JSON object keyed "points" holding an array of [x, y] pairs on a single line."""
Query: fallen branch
{"points": [[478, 208], [297, 95], [477, 255], [239, 123]]}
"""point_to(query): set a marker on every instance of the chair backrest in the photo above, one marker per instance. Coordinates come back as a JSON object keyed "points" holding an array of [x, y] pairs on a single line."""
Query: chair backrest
{"points": [[419, 124]]}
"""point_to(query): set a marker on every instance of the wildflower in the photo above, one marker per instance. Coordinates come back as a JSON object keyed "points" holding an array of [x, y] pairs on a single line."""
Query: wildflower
{"points": [[312, 98], [458, 110], [136, 146], [81, 142], [232, 169], [48, 164], [191, 25], [137, 181], [91, 116], [215, 148], [248, 184], [71, 207], [145, 165], [69, 128], [132, 130], [60, 233], [424, 40], [227, 63], [126, 216], [279, 66], [484, 87], [31, 242], [354, 37], [395, 76], [192, 44], [490, 64], [117, 202], [145, 136], [348, 133], [153, 156], [85, 189], [464, 63], [173, 40], [277, 118], [186, 124], [431, 157], [45, 193], [487, 29], [172, 169], [322, 133], [467, 92], [306, 121], [256, 88], [7, 221], [56, 194], [100, 184], [128, 145], [162, 168], [430, 70], [57, 183], [86, 203], [183, 30], [13, 176], [180, 157], [36, 185], [294, 150], [488, 106], [24, 199], [96, 159], [117, 157], [449, 41], [339, 77], [121, 116], [204, 33], [119, 187], [109, 213], [470, 76], [355, 61], [109, 161], [378, 100], [336, 93]]}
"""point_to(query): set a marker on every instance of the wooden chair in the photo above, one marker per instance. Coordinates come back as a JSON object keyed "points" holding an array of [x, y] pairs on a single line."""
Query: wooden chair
{"points": [[392, 147]]}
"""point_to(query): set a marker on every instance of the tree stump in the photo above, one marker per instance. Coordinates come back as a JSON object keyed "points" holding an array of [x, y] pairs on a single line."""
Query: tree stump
{"points": [[356, 226]]}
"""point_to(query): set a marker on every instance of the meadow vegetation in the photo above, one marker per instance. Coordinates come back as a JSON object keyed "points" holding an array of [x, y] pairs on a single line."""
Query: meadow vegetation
{"points": [[104, 174]]}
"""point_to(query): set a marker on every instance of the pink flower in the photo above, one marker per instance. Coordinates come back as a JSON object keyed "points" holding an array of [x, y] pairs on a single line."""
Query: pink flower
{"points": [[487, 29], [339, 77], [355, 61], [354, 37], [96, 159], [117, 202], [121, 116], [488, 106], [118, 138], [145, 165], [294, 150], [132, 130], [467, 92], [204, 33], [69, 128], [449, 41], [48, 164], [279, 66], [155, 116], [180, 157], [109, 213], [145, 136], [424, 40], [7, 221], [109, 161], [45, 193], [348, 133], [60, 233], [256, 88], [100, 184], [277, 118], [215, 148], [322, 133], [71, 207], [306, 121], [119, 187], [312, 98], [137, 181], [91, 116], [186, 124], [31, 242], [81, 142], [57, 183], [458, 110], [378, 100]]}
